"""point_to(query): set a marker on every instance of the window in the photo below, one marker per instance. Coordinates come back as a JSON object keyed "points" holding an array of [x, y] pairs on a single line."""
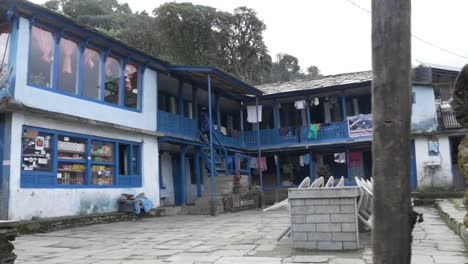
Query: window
{"points": [[37, 151], [92, 74], [413, 97], [68, 67], [112, 85], [433, 146], [78, 70], [131, 94], [71, 160], [102, 158], [4, 44], [81, 161], [41, 56]]}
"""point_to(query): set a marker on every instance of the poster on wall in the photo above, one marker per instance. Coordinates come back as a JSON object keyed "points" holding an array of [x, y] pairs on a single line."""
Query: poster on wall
{"points": [[360, 125]]}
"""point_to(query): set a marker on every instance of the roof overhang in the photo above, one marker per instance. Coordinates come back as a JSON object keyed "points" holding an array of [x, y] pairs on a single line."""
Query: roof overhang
{"points": [[221, 81]]}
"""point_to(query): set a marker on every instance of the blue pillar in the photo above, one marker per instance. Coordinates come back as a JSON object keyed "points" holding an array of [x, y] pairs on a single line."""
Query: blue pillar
{"points": [[218, 113], [242, 122], [275, 114], [308, 110], [195, 102], [311, 167], [183, 180], [197, 170], [259, 147], [348, 170], [212, 162], [180, 102], [343, 106], [278, 174]]}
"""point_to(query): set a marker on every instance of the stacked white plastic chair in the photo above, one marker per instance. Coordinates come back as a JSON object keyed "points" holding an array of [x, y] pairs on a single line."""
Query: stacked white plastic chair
{"points": [[365, 208], [341, 182], [304, 185], [330, 182]]}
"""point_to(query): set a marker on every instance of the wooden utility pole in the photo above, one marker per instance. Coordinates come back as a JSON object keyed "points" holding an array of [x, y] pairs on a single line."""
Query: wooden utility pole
{"points": [[391, 108]]}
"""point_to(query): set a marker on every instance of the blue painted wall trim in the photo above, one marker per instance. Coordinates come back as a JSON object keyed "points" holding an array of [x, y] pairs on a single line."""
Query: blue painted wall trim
{"points": [[183, 176]]}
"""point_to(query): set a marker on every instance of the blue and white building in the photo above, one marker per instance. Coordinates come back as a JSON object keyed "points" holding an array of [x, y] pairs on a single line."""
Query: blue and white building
{"points": [[84, 118]]}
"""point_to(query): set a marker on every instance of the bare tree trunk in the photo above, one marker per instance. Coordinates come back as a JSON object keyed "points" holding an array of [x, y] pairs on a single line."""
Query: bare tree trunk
{"points": [[391, 106]]}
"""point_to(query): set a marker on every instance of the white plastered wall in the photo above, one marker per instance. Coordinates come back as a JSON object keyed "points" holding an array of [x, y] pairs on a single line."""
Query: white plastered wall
{"points": [[25, 203], [166, 169], [433, 171]]}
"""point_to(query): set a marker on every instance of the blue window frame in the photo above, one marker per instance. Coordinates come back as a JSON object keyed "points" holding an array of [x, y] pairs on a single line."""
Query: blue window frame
{"points": [[58, 159], [67, 68]]}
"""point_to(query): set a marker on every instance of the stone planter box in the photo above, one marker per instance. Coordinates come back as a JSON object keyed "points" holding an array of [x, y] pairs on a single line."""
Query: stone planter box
{"points": [[324, 218]]}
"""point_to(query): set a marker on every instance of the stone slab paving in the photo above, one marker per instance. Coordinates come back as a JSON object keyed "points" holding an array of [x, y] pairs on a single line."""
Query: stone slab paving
{"points": [[244, 237]]}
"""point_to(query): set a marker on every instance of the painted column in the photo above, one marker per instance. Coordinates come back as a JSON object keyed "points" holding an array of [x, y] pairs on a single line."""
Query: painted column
{"points": [[308, 110], [242, 122], [183, 176], [5, 135], [212, 163], [180, 102], [311, 166], [348, 169], [157, 99], [195, 102], [343, 106], [197, 170], [275, 114], [259, 161], [218, 113], [278, 174]]}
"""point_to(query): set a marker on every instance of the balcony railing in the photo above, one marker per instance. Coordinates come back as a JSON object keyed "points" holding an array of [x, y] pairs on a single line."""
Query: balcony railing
{"points": [[327, 132], [177, 125]]}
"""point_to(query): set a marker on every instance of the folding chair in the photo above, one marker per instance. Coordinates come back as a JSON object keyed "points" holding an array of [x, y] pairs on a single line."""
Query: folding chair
{"points": [[304, 185], [330, 182], [341, 182], [318, 183]]}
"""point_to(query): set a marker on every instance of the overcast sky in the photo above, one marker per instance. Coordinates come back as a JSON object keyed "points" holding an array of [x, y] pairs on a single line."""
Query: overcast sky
{"points": [[335, 35]]}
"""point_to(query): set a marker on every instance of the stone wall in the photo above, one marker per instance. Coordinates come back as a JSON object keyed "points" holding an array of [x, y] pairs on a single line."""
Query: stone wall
{"points": [[324, 218]]}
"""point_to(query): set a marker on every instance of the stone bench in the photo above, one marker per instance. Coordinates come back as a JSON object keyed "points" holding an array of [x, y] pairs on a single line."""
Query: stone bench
{"points": [[324, 218]]}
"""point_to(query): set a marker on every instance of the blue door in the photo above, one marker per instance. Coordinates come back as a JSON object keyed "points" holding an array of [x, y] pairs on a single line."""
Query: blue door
{"points": [[413, 176], [177, 180]]}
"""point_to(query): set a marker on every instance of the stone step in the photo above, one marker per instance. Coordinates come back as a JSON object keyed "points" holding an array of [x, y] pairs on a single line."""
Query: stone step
{"points": [[171, 210], [203, 210], [206, 201]]}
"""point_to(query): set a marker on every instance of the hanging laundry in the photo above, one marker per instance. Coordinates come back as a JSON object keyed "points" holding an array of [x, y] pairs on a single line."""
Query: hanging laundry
{"points": [[313, 131], [307, 159], [316, 101], [301, 160], [276, 159], [354, 159], [253, 163], [301, 104], [252, 113], [340, 157], [264, 164]]}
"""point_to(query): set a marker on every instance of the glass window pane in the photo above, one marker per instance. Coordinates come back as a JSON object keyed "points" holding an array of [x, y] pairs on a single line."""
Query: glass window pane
{"points": [[70, 173], [136, 160], [112, 86], [71, 148], [92, 74], [41, 56], [37, 151], [124, 162], [4, 44], [102, 175], [68, 69], [102, 151], [131, 86]]}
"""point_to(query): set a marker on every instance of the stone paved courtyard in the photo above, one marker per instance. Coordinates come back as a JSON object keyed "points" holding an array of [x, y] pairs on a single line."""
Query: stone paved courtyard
{"points": [[245, 237]]}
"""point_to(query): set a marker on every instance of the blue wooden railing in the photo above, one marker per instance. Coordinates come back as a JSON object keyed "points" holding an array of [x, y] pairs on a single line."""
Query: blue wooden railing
{"points": [[177, 125], [173, 124], [327, 132]]}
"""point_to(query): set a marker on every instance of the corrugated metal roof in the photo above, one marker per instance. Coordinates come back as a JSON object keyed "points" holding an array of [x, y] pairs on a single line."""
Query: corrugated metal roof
{"points": [[315, 83]]}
